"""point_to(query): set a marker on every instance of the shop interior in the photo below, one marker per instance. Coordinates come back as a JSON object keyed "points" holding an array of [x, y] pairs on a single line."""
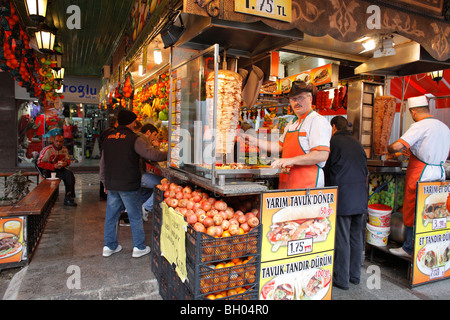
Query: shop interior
{"points": [[80, 124]]}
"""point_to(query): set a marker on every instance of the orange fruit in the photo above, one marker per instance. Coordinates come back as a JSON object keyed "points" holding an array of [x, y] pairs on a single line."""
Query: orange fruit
{"points": [[235, 260], [229, 264], [211, 296], [232, 292]]}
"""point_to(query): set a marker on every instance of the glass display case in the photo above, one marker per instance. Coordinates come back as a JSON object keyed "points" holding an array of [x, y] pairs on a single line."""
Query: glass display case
{"points": [[204, 123]]}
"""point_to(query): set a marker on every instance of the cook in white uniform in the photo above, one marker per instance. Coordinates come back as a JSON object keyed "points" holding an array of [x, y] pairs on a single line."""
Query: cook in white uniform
{"points": [[428, 140]]}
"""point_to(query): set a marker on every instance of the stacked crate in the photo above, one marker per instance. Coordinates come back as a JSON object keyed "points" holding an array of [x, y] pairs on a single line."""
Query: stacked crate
{"points": [[217, 268]]}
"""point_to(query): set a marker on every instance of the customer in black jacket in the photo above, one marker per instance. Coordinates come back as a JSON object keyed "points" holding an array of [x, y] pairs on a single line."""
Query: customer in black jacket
{"points": [[346, 168]]}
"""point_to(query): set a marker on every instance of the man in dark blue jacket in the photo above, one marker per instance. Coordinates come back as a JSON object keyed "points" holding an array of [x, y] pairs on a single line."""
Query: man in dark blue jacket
{"points": [[346, 168]]}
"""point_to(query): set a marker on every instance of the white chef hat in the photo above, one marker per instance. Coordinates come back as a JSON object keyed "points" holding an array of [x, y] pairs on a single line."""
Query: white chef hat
{"points": [[417, 102]]}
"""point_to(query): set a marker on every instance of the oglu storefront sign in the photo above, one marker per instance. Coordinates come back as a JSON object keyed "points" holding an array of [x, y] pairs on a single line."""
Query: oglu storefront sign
{"points": [[82, 90]]}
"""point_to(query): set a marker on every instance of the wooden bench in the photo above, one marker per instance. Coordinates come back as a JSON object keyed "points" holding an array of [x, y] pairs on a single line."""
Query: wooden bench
{"points": [[26, 174], [34, 208]]}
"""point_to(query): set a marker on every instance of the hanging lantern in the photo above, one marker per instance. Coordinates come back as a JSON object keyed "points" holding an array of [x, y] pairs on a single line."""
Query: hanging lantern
{"points": [[59, 74], [45, 38], [437, 75], [36, 10]]}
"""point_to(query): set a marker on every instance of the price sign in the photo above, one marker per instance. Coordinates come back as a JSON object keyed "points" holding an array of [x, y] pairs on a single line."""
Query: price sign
{"points": [[437, 272], [273, 9], [300, 246], [439, 223]]}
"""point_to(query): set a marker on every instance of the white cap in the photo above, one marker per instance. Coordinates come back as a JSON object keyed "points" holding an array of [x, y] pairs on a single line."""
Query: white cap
{"points": [[416, 102]]}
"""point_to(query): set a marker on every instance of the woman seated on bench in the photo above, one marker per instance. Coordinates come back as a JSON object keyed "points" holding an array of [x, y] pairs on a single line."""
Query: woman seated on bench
{"points": [[55, 158]]}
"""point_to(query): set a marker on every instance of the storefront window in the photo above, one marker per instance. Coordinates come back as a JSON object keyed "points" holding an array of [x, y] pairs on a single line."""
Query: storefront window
{"points": [[80, 124]]}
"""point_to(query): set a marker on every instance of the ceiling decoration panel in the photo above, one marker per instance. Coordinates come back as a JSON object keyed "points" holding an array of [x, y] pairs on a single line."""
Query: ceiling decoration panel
{"points": [[102, 24]]}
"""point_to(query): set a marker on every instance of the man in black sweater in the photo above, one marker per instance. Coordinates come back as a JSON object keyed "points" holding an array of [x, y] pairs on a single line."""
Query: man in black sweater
{"points": [[121, 175], [346, 168]]}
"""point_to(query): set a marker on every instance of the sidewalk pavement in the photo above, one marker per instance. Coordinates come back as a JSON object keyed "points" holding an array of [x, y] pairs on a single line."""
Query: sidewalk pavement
{"points": [[68, 263]]}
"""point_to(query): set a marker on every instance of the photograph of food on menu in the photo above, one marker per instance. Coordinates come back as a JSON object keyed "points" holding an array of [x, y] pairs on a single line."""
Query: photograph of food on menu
{"points": [[269, 88], [436, 206], [321, 75], [306, 285], [434, 255], [295, 223], [9, 245]]}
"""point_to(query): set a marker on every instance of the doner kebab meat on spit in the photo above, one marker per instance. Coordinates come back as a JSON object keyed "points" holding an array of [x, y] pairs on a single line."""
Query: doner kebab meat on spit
{"points": [[229, 94], [383, 118]]}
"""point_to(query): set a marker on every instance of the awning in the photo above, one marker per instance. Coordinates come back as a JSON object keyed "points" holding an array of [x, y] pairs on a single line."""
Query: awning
{"points": [[421, 84]]}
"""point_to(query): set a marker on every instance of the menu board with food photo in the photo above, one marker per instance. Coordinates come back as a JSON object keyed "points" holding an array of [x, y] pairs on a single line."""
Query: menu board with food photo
{"points": [[301, 278], [317, 76], [298, 222], [431, 257], [431, 261], [12, 244], [433, 206]]}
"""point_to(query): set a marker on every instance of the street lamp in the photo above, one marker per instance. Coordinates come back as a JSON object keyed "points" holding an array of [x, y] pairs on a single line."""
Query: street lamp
{"points": [[36, 9]]}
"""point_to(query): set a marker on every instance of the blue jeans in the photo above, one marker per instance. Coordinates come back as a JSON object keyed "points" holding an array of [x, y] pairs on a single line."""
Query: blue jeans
{"points": [[114, 205], [149, 181], [408, 244]]}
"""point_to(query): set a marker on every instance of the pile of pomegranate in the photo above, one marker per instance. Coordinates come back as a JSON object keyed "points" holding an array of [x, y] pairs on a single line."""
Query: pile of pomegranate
{"points": [[208, 214]]}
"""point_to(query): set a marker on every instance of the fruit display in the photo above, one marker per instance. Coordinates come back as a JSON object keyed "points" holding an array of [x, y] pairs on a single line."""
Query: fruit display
{"points": [[382, 189], [152, 99], [207, 214]]}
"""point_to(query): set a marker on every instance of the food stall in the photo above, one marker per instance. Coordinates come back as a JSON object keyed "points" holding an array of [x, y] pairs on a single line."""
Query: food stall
{"points": [[206, 109]]}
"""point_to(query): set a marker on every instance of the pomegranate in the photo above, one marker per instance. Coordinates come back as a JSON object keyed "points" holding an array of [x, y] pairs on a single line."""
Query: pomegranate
{"points": [[248, 215], [201, 217], [199, 227], [225, 224], [230, 212], [182, 203], [173, 203], [164, 181], [196, 198], [211, 231], [191, 219], [218, 219], [242, 219], [179, 195], [220, 205], [234, 221], [245, 227], [233, 229], [187, 189], [208, 222], [190, 205], [253, 222], [206, 206], [219, 231]]}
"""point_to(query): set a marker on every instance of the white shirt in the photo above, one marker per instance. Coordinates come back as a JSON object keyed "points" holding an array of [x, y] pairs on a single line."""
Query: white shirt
{"points": [[314, 133], [429, 141]]}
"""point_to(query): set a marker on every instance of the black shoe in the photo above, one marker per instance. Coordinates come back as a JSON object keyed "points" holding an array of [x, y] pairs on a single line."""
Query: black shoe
{"points": [[339, 286], [69, 202]]}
